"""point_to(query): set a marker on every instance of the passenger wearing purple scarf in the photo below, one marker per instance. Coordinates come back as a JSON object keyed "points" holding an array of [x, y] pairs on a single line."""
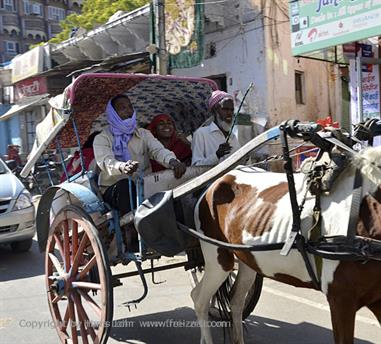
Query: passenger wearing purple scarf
{"points": [[121, 129], [123, 148]]}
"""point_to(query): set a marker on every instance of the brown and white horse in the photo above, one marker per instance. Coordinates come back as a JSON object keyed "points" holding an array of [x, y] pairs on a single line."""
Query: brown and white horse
{"points": [[249, 206]]}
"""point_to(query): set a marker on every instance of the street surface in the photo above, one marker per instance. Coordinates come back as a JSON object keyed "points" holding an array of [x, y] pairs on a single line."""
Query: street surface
{"points": [[284, 314]]}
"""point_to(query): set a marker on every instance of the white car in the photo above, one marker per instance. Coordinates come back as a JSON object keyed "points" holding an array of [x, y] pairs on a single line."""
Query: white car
{"points": [[17, 218]]}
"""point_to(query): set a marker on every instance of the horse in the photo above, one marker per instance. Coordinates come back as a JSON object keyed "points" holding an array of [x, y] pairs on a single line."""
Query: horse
{"points": [[252, 207]]}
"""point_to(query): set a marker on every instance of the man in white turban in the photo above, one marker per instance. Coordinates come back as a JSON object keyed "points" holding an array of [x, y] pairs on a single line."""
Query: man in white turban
{"points": [[209, 145]]}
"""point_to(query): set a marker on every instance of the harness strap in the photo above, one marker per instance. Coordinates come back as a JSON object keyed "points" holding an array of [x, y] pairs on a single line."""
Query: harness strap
{"points": [[355, 205], [315, 231], [295, 230], [229, 246]]}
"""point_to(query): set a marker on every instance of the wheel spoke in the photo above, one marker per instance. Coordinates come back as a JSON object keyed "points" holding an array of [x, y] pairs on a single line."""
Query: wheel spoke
{"points": [[74, 239], [76, 260], [86, 285], [65, 321], [56, 263], [59, 244], [66, 243], [87, 267], [57, 298], [73, 323], [82, 327], [84, 317], [92, 303], [83, 332]]}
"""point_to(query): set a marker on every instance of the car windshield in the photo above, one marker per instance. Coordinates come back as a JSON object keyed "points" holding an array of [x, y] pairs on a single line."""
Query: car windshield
{"points": [[2, 167]]}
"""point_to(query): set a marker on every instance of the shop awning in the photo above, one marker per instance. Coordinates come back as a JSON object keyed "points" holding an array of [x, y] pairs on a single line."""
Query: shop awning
{"points": [[28, 102]]}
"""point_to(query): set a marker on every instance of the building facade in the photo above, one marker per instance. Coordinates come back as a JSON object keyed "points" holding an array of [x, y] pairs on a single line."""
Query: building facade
{"points": [[27, 22], [249, 41], [245, 41]]}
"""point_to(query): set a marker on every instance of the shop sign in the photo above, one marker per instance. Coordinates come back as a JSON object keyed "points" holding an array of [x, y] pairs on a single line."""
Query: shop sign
{"points": [[370, 86], [27, 64], [31, 87], [318, 24]]}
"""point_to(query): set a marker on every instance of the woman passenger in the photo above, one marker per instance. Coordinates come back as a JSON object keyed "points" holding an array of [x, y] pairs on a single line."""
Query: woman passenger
{"points": [[163, 128]]}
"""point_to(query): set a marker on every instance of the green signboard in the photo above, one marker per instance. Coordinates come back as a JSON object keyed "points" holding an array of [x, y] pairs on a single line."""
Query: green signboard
{"points": [[318, 24]]}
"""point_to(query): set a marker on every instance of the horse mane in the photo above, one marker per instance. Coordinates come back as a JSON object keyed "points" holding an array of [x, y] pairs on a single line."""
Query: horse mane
{"points": [[368, 162]]}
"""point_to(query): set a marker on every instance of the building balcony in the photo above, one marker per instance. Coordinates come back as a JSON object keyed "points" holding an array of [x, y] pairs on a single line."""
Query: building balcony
{"points": [[36, 35], [55, 28], [11, 30], [34, 24], [11, 24], [57, 2], [75, 3], [10, 19]]}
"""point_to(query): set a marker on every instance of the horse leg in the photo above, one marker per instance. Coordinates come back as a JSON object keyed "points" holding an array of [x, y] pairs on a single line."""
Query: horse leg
{"points": [[343, 313], [245, 279], [376, 310], [203, 292]]}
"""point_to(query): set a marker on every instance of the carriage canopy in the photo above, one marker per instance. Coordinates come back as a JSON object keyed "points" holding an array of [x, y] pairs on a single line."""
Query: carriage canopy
{"points": [[85, 100]]}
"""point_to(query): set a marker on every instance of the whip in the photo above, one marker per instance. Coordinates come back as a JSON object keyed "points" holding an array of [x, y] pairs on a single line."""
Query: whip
{"points": [[236, 114]]}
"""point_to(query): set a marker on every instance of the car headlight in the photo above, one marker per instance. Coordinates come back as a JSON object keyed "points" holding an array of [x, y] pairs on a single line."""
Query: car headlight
{"points": [[23, 201]]}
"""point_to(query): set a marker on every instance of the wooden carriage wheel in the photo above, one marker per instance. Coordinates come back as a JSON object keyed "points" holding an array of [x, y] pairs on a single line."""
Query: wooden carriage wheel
{"points": [[78, 279]]}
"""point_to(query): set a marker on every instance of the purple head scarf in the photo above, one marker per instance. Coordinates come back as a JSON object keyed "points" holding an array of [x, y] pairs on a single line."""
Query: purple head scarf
{"points": [[122, 131]]}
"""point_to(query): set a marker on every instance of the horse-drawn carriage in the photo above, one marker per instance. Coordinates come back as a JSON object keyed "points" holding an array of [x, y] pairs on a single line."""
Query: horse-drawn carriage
{"points": [[83, 236]]}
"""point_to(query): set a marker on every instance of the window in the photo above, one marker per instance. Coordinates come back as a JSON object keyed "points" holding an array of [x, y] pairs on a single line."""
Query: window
{"points": [[55, 13], [11, 47], [9, 5], [26, 7], [33, 8], [299, 87]]}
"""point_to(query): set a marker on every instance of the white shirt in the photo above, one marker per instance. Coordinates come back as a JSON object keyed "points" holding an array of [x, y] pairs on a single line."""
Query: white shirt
{"points": [[205, 143], [143, 146]]}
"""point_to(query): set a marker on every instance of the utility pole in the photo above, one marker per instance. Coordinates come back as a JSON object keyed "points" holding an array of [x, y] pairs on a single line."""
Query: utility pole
{"points": [[161, 56]]}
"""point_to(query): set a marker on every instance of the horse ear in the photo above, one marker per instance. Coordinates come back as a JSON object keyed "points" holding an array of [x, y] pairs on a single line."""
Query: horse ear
{"points": [[369, 224]]}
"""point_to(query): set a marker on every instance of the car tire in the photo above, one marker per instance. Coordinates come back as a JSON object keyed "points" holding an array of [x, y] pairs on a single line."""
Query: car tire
{"points": [[21, 246]]}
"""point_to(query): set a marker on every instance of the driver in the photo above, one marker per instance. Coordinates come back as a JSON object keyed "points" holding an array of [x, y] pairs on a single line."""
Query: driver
{"points": [[123, 150], [208, 144]]}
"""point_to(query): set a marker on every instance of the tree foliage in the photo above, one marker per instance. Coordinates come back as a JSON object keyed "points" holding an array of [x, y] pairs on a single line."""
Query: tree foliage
{"points": [[94, 13]]}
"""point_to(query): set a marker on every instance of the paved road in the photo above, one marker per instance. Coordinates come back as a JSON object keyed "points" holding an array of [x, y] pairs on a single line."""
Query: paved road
{"points": [[283, 315]]}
